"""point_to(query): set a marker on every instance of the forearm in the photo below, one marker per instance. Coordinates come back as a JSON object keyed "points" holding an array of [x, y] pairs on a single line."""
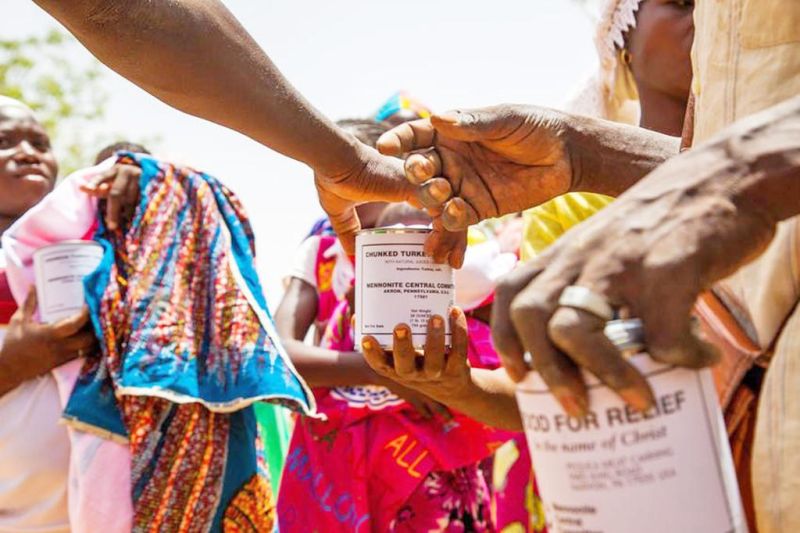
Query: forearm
{"points": [[10, 376], [490, 399], [609, 158], [195, 56], [8, 382], [754, 164], [761, 157], [330, 368]]}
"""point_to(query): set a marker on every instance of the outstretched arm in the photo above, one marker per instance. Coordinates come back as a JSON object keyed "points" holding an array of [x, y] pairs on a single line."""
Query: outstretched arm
{"points": [[483, 163], [194, 55]]}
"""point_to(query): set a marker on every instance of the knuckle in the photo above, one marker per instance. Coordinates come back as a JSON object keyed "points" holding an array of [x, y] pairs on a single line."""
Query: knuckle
{"points": [[564, 327], [380, 368], [525, 310], [504, 291], [514, 364], [552, 372], [433, 371]]}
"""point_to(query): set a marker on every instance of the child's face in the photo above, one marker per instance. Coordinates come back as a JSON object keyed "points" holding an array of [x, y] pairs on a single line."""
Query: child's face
{"points": [[28, 168]]}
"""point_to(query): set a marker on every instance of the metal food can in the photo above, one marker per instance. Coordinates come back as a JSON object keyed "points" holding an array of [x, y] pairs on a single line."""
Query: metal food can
{"points": [[623, 471], [59, 270], [397, 283]]}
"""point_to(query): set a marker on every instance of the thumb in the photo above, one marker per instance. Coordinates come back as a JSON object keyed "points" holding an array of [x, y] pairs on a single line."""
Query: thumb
{"points": [[678, 341], [29, 306], [346, 224]]}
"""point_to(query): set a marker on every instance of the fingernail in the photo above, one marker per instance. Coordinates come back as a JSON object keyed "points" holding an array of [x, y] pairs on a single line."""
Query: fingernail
{"points": [[451, 117], [401, 333], [572, 405], [440, 191], [636, 399], [366, 344], [437, 322], [421, 169], [453, 209]]}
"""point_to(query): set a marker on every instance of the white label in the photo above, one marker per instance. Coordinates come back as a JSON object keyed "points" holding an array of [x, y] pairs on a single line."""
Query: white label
{"points": [[60, 270], [397, 283], [621, 471]]}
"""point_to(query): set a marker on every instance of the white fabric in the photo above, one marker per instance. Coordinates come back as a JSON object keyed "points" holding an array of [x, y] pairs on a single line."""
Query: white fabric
{"points": [[476, 280], [34, 457], [305, 262], [617, 18], [96, 466], [6, 101], [611, 92], [70, 214]]}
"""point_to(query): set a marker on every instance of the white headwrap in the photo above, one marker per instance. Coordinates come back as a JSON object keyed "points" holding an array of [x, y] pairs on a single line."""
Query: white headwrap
{"points": [[7, 101], [611, 93]]}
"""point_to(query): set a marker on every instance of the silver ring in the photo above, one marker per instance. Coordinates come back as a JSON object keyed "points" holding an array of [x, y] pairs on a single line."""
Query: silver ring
{"points": [[582, 298], [627, 335]]}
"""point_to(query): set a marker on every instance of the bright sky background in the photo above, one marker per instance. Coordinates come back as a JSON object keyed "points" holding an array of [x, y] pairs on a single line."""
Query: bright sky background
{"points": [[347, 57]]}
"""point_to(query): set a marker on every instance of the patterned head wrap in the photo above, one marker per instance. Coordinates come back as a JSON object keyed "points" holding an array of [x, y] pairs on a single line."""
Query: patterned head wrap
{"points": [[401, 101], [611, 94]]}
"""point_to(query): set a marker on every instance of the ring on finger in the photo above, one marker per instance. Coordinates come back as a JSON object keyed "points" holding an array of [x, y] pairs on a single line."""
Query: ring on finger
{"points": [[587, 300], [626, 334]]}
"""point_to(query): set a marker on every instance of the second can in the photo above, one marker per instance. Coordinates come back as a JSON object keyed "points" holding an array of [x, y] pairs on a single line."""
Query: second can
{"points": [[396, 283]]}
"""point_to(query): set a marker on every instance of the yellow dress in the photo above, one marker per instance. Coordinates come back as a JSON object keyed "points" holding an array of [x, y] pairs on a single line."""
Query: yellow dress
{"points": [[547, 222]]}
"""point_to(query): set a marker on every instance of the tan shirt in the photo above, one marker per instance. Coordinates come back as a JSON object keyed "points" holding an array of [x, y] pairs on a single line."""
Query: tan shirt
{"points": [[746, 58]]}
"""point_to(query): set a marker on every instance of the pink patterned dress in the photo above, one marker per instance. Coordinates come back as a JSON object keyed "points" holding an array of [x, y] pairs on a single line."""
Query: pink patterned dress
{"points": [[375, 464]]}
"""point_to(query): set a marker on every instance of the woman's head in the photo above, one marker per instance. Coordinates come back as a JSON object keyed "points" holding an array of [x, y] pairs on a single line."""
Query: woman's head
{"points": [[658, 48], [121, 146], [644, 50], [28, 167]]}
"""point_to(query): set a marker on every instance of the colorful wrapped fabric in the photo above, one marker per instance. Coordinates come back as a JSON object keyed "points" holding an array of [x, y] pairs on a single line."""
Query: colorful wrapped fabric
{"points": [[399, 102], [275, 428], [321, 227], [187, 347]]}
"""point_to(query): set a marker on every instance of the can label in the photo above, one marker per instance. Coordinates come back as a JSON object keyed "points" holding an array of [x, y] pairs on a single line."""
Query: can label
{"points": [[59, 270], [621, 471], [397, 283]]}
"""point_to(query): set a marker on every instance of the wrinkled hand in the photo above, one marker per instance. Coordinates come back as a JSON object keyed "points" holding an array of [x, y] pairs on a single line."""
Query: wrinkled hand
{"points": [[649, 254], [484, 163], [31, 349], [378, 178], [119, 186], [440, 373]]}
